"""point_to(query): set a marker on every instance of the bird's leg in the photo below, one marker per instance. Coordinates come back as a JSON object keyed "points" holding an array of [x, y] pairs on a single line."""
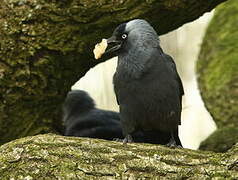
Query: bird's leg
{"points": [[127, 139], [172, 142]]}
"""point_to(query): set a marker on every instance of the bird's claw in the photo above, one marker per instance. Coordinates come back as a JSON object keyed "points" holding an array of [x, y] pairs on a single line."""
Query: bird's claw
{"points": [[172, 144], [127, 139]]}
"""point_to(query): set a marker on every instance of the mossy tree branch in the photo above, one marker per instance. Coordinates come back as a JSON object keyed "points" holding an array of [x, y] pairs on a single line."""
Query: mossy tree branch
{"points": [[55, 157], [218, 76], [45, 46]]}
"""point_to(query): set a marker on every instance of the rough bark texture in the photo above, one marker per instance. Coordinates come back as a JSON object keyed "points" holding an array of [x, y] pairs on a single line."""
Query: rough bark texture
{"points": [[218, 75], [45, 46], [56, 157]]}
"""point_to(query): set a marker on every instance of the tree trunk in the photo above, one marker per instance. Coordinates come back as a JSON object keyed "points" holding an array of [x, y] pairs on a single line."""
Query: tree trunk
{"points": [[55, 157], [45, 46], [218, 76]]}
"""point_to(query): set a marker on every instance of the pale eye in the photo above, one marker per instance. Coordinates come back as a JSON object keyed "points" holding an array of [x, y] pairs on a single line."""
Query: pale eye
{"points": [[124, 36]]}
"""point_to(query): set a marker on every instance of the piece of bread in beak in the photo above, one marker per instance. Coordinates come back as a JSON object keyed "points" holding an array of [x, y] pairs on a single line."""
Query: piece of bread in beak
{"points": [[100, 49]]}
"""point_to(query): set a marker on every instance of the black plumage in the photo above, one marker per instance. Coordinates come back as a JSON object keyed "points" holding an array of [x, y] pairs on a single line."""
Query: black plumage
{"points": [[82, 119], [146, 83]]}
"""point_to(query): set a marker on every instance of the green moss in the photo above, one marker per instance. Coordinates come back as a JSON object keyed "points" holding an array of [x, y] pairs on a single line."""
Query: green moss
{"points": [[57, 157], [41, 42], [218, 65], [221, 140], [147, 169], [173, 4], [122, 158]]}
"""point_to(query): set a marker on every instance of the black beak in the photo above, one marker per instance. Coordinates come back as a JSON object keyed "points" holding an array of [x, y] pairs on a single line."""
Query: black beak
{"points": [[113, 44]]}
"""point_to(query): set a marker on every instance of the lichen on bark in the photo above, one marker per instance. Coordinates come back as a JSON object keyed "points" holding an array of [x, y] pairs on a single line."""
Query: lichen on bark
{"points": [[56, 157]]}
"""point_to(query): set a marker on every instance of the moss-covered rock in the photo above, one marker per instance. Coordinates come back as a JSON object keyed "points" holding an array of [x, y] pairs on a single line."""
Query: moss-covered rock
{"points": [[218, 65], [221, 140], [57, 157]]}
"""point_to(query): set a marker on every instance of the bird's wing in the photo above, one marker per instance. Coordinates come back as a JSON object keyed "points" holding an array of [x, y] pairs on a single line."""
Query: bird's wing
{"points": [[113, 116], [117, 97], [173, 67], [115, 89], [172, 64]]}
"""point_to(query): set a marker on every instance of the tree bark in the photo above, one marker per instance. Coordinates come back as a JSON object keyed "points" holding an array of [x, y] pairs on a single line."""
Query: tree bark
{"points": [[45, 46], [56, 157], [218, 76]]}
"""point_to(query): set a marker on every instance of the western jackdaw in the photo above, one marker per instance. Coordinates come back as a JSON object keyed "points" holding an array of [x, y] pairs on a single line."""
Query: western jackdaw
{"points": [[146, 83], [82, 119]]}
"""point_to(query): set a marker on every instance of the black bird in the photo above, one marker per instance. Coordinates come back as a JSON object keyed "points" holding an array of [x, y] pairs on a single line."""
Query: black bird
{"points": [[82, 119], [146, 83]]}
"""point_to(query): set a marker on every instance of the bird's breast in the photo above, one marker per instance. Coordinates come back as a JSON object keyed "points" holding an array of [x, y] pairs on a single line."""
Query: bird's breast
{"points": [[151, 99]]}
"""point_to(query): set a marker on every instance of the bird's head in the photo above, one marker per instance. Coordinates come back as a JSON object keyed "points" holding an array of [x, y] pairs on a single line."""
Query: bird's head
{"points": [[134, 35]]}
